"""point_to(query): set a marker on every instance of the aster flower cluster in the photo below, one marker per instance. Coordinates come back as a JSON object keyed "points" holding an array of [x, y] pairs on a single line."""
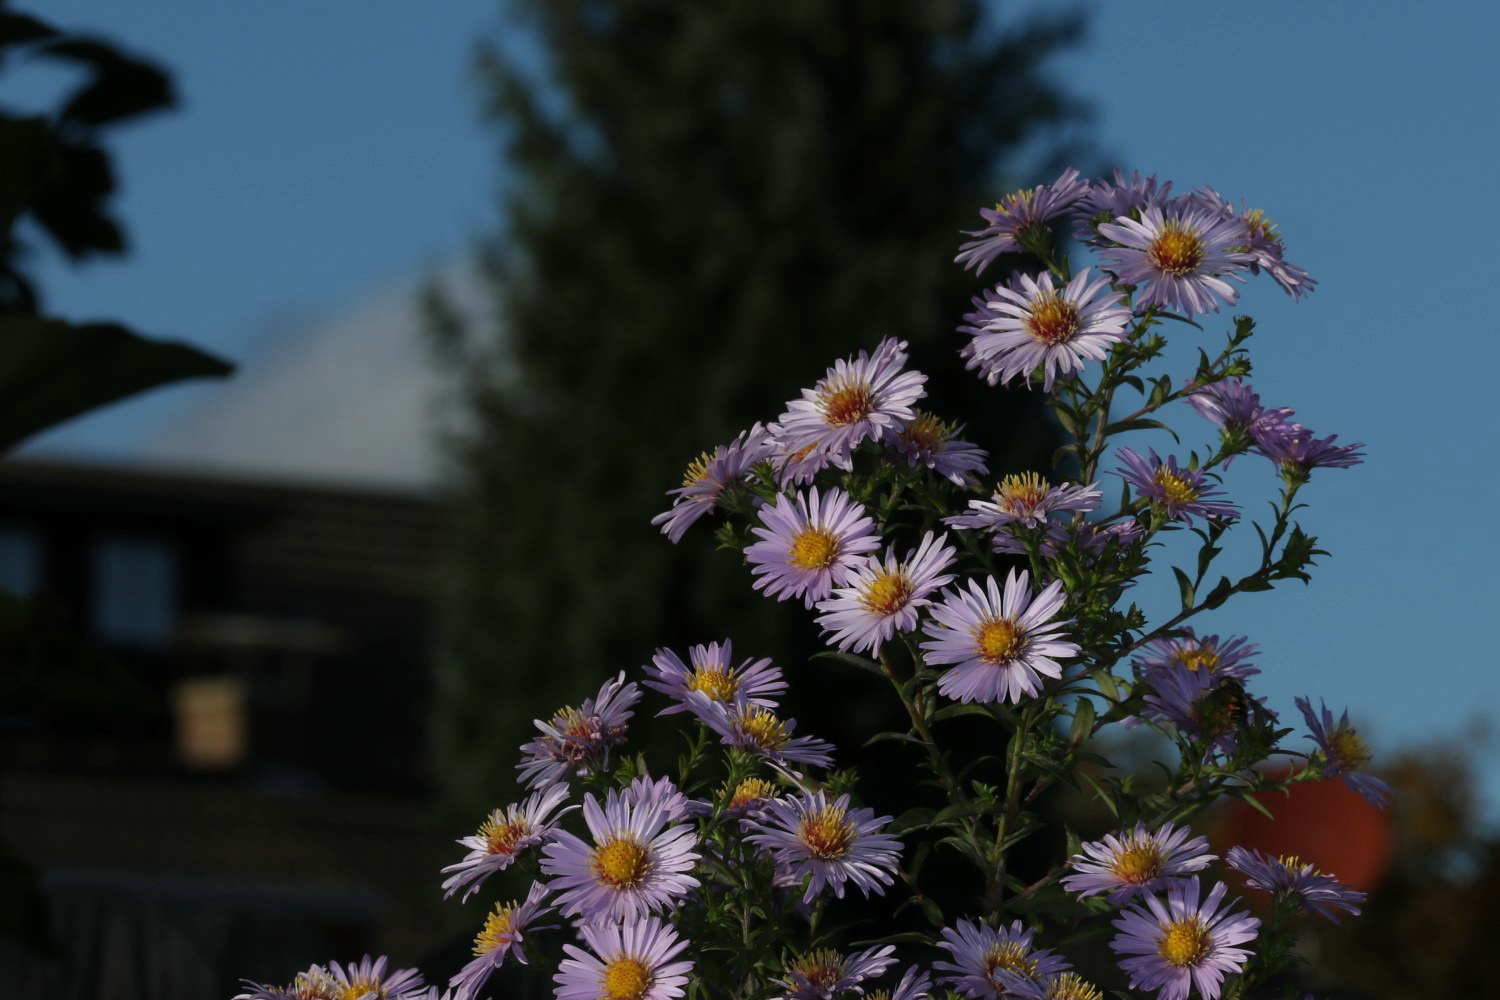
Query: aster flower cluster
{"points": [[749, 867]]}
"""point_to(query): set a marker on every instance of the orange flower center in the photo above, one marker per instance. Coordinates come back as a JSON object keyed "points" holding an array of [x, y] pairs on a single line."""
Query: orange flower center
{"points": [[822, 969], [502, 837], [620, 863], [1184, 942], [827, 833], [888, 593], [1176, 250], [845, 401], [813, 548], [999, 641], [1053, 320]]}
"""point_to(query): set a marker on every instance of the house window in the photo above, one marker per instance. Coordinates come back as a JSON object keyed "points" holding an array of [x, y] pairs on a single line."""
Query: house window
{"points": [[135, 590], [20, 561]]}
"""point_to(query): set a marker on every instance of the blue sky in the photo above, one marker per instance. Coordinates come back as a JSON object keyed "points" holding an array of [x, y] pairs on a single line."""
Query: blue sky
{"points": [[341, 155]]}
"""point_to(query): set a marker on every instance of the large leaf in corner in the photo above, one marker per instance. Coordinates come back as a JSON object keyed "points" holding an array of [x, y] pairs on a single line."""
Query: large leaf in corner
{"points": [[51, 371]]}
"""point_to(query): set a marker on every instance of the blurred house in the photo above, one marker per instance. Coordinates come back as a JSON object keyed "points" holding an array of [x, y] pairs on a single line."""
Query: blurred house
{"points": [[261, 797]]}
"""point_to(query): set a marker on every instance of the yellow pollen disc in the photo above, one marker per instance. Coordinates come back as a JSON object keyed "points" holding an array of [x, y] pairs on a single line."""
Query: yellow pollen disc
{"points": [[620, 863], [879, 995], [360, 987], [802, 452], [845, 401], [1071, 986], [697, 470], [828, 834], [999, 641], [501, 838], [1260, 226], [315, 986], [763, 728], [887, 593], [1178, 491], [573, 724], [926, 432], [497, 931], [813, 548], [1020, 494], [715, 681], [822, 968], [1053, 320], [1176, 250], [1347, 749], [1010, 956], [1138, 863], [1185, 942], [750, 790], [1196, 659], [1293, 863], [624, 979]]}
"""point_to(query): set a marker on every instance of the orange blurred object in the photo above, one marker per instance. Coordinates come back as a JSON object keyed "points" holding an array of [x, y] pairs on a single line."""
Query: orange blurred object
{"points": [[1322, 822]]}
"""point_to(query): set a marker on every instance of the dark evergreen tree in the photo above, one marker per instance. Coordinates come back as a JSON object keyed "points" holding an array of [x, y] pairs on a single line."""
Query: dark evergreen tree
{"points": [[706, 205]]}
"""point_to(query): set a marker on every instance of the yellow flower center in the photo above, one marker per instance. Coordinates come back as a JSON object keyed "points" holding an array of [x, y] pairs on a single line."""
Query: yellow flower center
{"points": [[813, 548], [624, 979], [1185, 942], [888, 592], [845, 401], [502, 837], [1261, 226], [1176, 489], [1346, 749], [1010, 956], [361, 987], [761, 726], [999, 641], [1176, 250], [1021, 494], [318, 985], [498, 929], [926, 432], [715, 681], [822, 969], [1071, 986], [827, 833], [620, 863], [697, 470], [1196, 659], [1139, 862], [1053, 320], [750, 790]]}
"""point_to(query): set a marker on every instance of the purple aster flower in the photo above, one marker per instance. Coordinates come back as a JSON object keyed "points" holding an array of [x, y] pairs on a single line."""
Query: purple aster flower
{"points": [[579, 739], [1181, 492], [1227, 658], [713, 674], [797, 466], [1232, 405], [982, 955], [636, 865], [708, 476], [807, 548], [868, 397], [914, 985], [1344, 752], [928, 441], [1268, 252], [1291, 878], [369, 980], [317, 983], [1136, 863], [760, 730], [1295, 449], [501, 937], [824, 974], [501, 838], [1035, 325], [1026, 499], [1064, 986], [1002, 645], [881, 598], [629, 961], [646, 792], [1180, 944], [1123, 197], [809, 836], [1179, 257], [1019, 217]]}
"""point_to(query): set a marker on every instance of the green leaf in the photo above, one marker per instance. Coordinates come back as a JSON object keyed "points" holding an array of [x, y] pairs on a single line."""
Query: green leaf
{"points": [[51, 371], [912, 819], [852, 659], [1184, 587], [1083, 721], [954, 711], [1140, 424], [1254, 803]]}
